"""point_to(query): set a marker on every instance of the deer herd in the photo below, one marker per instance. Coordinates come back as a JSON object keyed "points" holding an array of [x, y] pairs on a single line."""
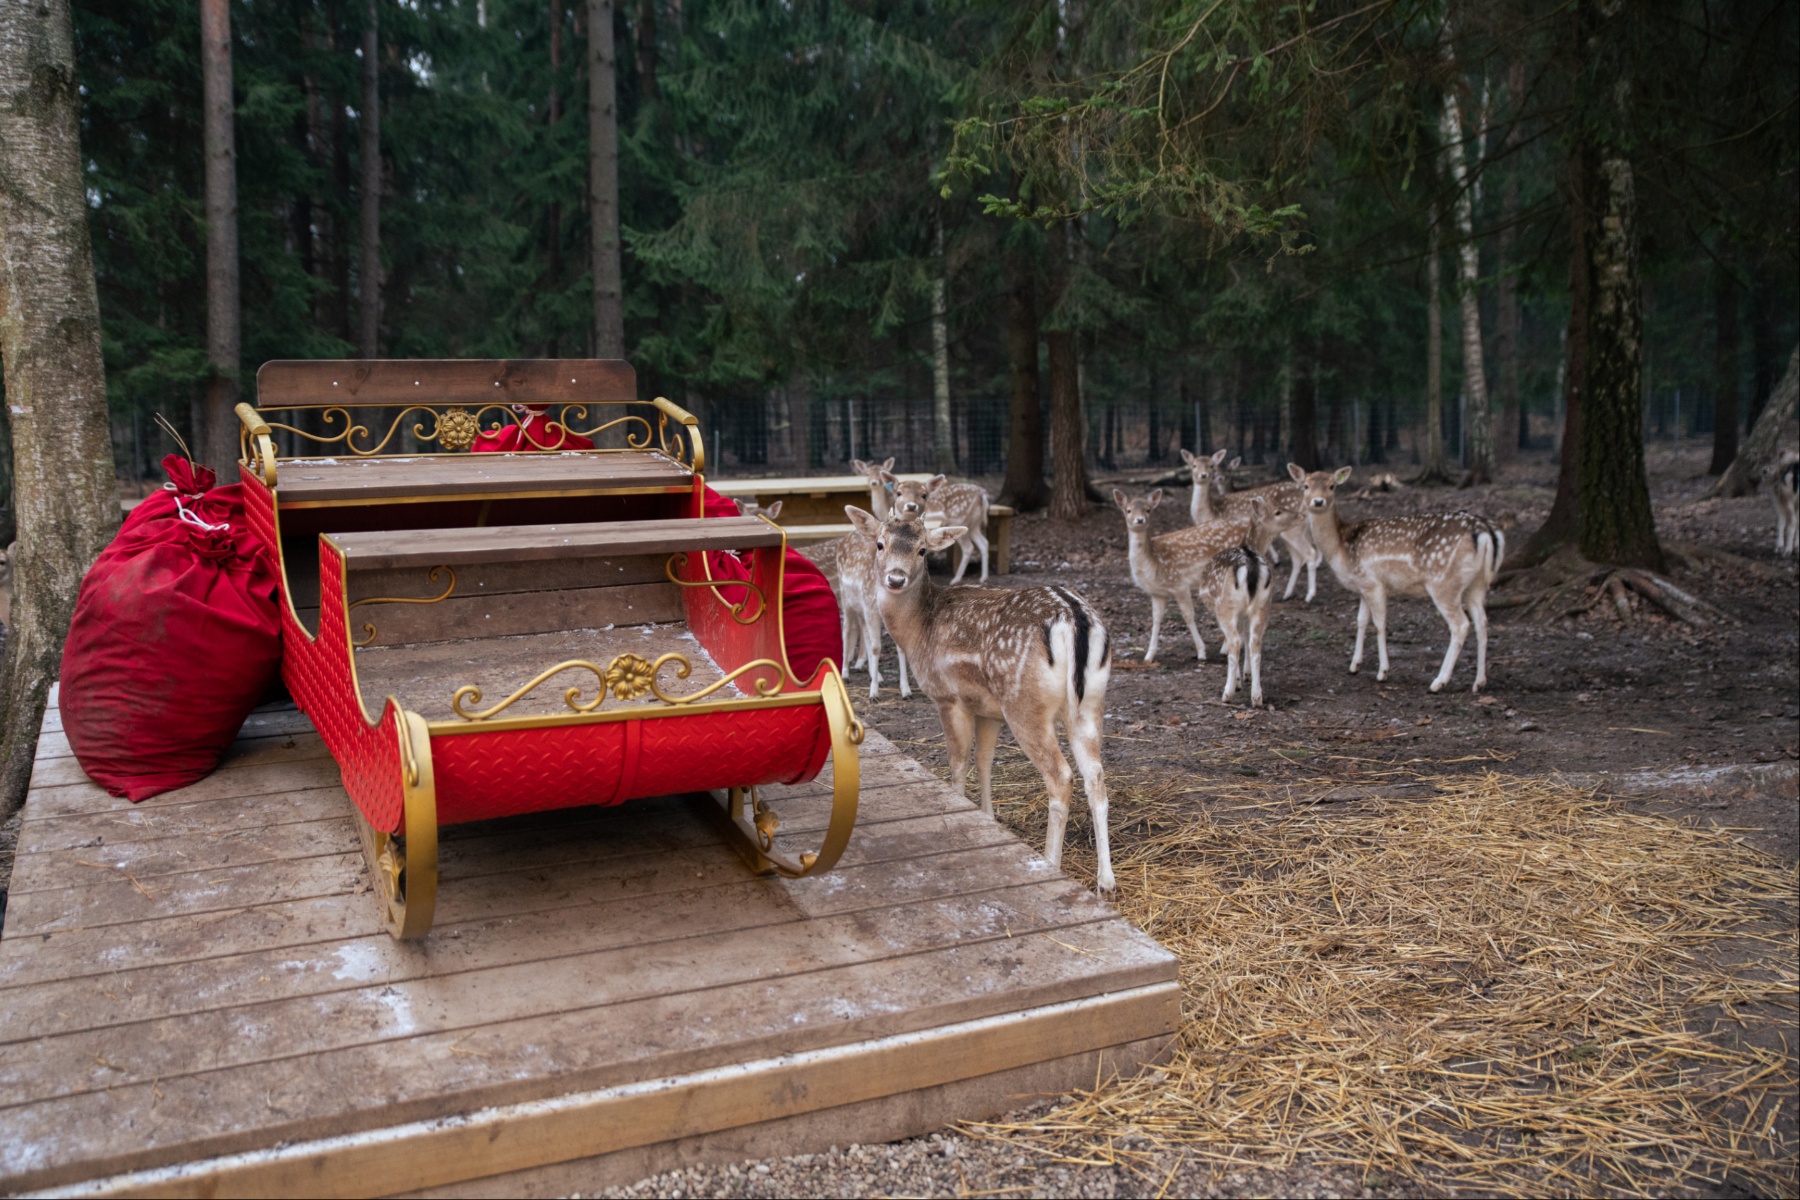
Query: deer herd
{"points": [[1036, 656]]}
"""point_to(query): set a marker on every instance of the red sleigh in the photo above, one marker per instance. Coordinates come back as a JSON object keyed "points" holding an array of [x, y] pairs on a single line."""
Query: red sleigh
{"points": [[484, 635]]}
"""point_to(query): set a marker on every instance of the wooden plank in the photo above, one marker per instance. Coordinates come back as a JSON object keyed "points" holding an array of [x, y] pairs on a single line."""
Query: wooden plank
{"points": [[225, 790], [445, 381], [512, 1137], [519, 614], [363, 480], [56, 772], [531, 543], [504, 579], [615, 1032]]}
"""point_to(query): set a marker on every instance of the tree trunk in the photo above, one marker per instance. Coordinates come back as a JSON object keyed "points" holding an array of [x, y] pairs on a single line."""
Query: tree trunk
{"points": [[368, 324], [942, 428], [1561, 526], [1725, 369], [340, 323], [553, 213], [1024, 489], [1433, 467], [1616, 523], [1068, 429], [1511, 438], [220, 444], [1476, 421], [1763, 360], [64, 497], [643, 37], [1765, 436], [603, 182], [1300, 399]]}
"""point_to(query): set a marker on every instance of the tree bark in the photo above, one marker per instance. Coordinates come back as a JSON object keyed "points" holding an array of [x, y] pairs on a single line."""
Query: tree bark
{"points": [[64, 498], [1765, 436], [1068, 429], [643, 36], [1024, 488], [1725, 369], [1511, 437], [603, 182], [368, 325], [1617, 526], [942, 428], [1478, 422], [1562, 525], [1433, 467], [553, 213], [223, 337], [1301, 400]]}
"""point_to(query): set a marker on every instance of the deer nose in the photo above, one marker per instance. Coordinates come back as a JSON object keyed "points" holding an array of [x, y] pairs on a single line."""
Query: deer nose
{"points": [[896, 581]]}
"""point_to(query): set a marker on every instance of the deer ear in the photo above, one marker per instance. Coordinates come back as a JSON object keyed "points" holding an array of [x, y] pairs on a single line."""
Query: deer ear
{"points": [[1257, 503], [1342, 473], [937, 481], [863, 519], [859, 466], [1187, 457], [773, 511], [944, 537], [1156, 498], [1298, 472], [888, 465], [1236, 463], [1119, 498], [1218, 457], [888, 476]]}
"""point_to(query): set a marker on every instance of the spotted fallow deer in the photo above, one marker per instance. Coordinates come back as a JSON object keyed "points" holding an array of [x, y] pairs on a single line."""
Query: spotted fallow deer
{"points": [[881, 494], [1026, 656], [1450, 557], [1206, 505], [1782, 478], [1226, 563], [856, 585], [960, 504]]}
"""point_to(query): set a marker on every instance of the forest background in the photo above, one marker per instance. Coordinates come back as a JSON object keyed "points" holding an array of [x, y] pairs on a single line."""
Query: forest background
{"points": [[827, 207]]}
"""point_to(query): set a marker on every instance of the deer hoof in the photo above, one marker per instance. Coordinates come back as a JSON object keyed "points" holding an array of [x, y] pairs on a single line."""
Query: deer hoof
{"points": [[1437, 685]]}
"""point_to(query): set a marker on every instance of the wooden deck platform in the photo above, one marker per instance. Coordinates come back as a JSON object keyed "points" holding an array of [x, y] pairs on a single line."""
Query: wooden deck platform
{"points": [[196, 996]]}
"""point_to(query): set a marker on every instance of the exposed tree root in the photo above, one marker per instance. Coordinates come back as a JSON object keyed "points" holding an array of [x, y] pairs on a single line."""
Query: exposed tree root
{"points": [[1570, 586]]}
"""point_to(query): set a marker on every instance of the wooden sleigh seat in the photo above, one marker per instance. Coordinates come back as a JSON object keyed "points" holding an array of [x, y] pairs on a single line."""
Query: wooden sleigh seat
{"points": [[481, 636]]}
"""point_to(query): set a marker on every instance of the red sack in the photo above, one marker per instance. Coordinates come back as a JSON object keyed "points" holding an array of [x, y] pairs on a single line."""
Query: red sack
{"points": [[176, 637], [543, 435], [812, 628]]}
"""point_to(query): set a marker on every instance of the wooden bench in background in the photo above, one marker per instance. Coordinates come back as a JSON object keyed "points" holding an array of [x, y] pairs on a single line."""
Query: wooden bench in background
{"points": [[812, 509]]}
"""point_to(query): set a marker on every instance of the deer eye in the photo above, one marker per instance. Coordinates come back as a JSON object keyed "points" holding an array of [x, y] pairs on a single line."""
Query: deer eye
{"points": [[921, 552], [881, 545]]}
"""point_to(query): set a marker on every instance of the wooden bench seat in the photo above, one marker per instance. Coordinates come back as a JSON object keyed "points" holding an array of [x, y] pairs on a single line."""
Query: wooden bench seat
{"points": [[316, 482], [526, 543]]}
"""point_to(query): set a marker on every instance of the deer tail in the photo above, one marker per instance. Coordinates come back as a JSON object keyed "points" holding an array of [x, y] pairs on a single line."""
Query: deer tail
{"points": [[1490, 543], [1080, 644]]}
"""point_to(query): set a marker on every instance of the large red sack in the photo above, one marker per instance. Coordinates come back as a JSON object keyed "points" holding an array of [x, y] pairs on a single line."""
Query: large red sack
{"points": [[176, 637], [812, 627]]}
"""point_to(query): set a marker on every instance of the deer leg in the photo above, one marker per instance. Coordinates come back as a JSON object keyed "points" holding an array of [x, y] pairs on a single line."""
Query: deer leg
{"points": [[1259, 622], [959, 732], [1234, 656], [1293, 576], [979, 536], [1362, 624], [905, 688], [987, 734], [871, 645], [1184, 600], [1451, 609], [962, 560], [1312, 574], [1157, 605], [1084, 743], [1477, 604], [1378, 613]]}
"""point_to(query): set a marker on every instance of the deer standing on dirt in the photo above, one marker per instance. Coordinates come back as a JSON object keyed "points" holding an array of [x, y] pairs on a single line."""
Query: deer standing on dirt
{"points": [[964, 505], [985, 655], [1225, 563], [856, 586], [1450, 557], [1782, 478], [1206, 506]]}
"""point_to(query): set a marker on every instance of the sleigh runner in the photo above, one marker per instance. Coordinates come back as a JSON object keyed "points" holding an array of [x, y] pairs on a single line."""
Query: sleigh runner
{"points": [[485, 635]]}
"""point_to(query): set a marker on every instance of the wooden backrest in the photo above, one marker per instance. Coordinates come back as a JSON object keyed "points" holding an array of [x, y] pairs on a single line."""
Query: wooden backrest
{"points": [[463, 381]]}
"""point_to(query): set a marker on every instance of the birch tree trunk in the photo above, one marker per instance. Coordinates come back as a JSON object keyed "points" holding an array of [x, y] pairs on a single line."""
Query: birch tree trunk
{"points": [[64, 497], [940, 357], [219, 445], [1432, 459], [603, 181], [1765, 436], [1478, 422], [368, 325]]}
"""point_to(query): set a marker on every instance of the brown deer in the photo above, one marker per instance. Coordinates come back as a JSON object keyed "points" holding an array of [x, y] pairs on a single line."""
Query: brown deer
{"points": [[961, 504], [985, 655], [1451, 557], [1226, 563], [1782, 478], [1205, 505], [881, 496]]}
